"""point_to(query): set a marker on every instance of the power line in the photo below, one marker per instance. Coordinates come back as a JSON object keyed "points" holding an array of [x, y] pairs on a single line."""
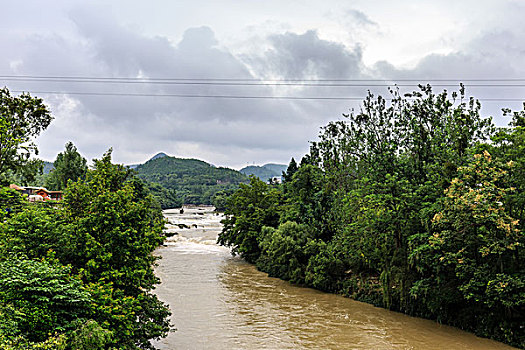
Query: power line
{"points": [[245, 97], [240, 83], [183, 79], [193, 96]]}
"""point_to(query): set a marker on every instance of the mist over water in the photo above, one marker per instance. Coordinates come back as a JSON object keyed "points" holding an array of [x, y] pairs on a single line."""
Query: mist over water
{"points": [[221, 302]]}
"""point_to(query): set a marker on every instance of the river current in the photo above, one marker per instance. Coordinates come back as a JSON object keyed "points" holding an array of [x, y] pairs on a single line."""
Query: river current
{"points": [[221, 302]]}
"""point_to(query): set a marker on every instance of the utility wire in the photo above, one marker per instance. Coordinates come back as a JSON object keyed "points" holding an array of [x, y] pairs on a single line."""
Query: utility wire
{"points": [[240, 83], [151, 80], [338, 98], [485, 83]]}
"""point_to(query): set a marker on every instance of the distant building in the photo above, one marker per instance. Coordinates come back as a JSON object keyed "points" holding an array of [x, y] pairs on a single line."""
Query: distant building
{"points": [[38, 194], [56, 195], [276, 180]]}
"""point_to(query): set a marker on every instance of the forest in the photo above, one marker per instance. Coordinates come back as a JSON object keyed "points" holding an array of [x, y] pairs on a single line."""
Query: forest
{"points": [[415, 203]]}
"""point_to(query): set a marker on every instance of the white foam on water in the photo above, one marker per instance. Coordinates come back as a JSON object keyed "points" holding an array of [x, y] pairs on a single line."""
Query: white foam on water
{"points": [[197, 247]]}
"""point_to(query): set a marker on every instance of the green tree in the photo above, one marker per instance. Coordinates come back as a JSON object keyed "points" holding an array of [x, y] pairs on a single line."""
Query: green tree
{"points": [[114, 228], [292, 168], [45, 296], [69, 165], [22, 118], [283, 251], [105, 230], [251, 207], [509, 146], [474, 251], [392, 207], [29, 174]]}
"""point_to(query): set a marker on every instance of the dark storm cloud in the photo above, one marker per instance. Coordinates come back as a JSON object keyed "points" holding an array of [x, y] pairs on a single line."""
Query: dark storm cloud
{"points": [[303, 56]]}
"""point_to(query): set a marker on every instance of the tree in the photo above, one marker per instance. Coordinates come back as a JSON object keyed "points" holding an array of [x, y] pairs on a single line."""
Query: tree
{"points": [[473, 255], [283, 251], [22, 118], [69, 165], [292, 168], [45, 296], [105, 232], [114, 226], [404, 205], [250, 208]]}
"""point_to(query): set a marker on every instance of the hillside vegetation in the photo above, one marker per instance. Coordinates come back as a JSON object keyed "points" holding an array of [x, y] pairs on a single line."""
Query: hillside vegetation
{"points": [[176, 181]]}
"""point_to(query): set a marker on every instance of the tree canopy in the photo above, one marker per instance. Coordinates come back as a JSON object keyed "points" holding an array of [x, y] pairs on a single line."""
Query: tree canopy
{"points": [[76, 274], [89, 264], [69, 165], [416, 205], [23, 118]]}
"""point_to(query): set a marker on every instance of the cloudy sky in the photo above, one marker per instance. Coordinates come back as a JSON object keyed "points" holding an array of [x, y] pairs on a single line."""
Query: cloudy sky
{"points": [[116, 46]]}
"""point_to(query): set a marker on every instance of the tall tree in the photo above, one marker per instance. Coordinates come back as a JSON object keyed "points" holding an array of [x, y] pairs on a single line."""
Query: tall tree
{"points": [[22, 118], [69, 165], [292, 168]]}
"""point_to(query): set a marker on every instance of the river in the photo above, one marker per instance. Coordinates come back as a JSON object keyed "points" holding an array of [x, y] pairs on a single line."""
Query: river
{"points": [[220, 302]]}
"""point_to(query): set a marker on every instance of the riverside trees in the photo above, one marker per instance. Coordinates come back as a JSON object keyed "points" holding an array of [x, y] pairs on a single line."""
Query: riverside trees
{"points": [[80, 275], [415, 205], [103, 236]]}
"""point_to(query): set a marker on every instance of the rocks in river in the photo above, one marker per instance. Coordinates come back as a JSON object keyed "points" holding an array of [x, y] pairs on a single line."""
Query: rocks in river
{"points": [[170, 233], [181, 226]]}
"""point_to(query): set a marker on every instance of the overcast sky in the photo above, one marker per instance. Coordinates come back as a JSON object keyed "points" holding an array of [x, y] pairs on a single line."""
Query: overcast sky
{"points": [[243, 39]]}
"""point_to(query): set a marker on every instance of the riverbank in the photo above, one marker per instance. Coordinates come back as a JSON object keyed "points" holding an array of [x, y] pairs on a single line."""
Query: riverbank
{"points": [[221, 302]]}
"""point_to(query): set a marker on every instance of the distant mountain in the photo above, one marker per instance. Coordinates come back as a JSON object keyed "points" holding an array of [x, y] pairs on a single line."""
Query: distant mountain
{"points": [[264, 172], [176, 181], [158, 155], [48, 166]]}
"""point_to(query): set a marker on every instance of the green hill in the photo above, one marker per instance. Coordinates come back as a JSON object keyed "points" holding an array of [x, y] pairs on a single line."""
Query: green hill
{"points": [[177, 181], [264, 172]]}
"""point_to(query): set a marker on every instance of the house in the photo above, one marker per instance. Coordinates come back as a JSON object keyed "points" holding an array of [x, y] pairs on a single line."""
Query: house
{"points": [[35, 193], [30, 190], [42, 192], [56, 195]]}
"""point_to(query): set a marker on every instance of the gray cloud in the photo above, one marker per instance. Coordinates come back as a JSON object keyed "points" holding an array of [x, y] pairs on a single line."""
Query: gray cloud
{"points": [[491, 55], [360, 18], [304, 56], [223, 131], [129, 124]]}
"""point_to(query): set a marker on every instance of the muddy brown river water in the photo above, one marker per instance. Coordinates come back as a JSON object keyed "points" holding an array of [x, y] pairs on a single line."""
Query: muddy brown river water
{"points": [[220, 302]]}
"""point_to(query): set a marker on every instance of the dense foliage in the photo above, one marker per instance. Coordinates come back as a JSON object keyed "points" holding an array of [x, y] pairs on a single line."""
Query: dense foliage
{"points": [[416, 205], [175, 181], [85, 263], [76, 274]]}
